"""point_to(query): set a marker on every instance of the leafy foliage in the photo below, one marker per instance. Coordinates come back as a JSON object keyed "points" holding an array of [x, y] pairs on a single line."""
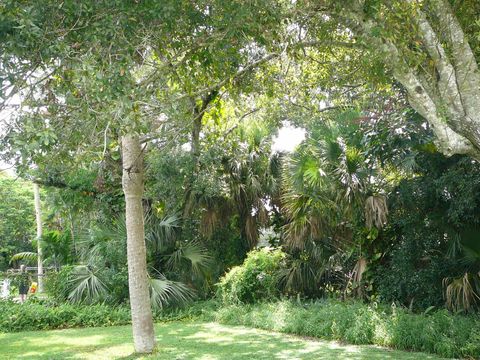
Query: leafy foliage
{"points": [[38, 315], [17, 218], [166, 292], [255, 280]]}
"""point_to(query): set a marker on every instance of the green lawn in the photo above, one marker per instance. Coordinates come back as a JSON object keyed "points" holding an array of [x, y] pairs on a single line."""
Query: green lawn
{"points": [[181, 340]]}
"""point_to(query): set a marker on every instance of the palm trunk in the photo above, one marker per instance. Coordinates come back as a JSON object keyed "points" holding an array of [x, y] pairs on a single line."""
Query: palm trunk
{"points": [[38, 216], [132, 183]]}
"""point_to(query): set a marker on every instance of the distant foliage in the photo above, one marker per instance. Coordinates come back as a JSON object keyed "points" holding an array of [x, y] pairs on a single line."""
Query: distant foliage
{"points": [[255, 280], [56, 284], [17, 218]]}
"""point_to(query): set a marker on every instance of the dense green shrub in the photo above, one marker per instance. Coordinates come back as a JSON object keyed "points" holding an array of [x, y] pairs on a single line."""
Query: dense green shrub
{"points": [[432, 232], [256, 279], [414, 272], [439, 332], [42, 315], [37, 314]]}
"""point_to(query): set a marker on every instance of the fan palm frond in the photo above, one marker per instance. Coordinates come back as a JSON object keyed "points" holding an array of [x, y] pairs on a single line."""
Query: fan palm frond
{"points": [[161, 233], [164, 292], [86, 285], [376, 211], [462, 293], [192, 254], [198, 257]]}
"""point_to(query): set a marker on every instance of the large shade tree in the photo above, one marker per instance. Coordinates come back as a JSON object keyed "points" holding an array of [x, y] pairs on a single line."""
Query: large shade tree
{"points": [[96, 75], [430, 47]]}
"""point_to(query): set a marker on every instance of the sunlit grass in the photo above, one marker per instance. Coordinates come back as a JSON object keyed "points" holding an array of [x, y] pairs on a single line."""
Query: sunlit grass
{"points": [[181, 340]]}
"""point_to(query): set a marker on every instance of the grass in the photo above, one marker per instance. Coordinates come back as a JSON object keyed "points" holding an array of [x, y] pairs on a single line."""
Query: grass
{"points": [[185, 340]]}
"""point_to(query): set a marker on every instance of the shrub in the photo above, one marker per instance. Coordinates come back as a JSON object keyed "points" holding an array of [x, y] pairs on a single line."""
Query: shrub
{"points": [[256, 279], [56, 283], [439, 332], [414, 273], [43, 315]]}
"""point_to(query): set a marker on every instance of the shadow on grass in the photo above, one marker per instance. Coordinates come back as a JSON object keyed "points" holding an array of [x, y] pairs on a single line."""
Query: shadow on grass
{"points": [[180, 340]]}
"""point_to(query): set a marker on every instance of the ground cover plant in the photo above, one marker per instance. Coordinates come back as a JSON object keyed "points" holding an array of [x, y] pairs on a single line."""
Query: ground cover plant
{"points": [[439, 332], [435, 332]]}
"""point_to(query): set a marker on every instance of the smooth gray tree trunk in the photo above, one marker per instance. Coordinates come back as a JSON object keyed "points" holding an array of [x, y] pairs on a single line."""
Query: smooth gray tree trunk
{"points": [[133, 184]]}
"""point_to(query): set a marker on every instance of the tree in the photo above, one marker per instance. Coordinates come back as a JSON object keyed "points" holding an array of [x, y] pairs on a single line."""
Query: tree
{"points": [[17, 220], [96, 78], [132, 183], [429, 47]]}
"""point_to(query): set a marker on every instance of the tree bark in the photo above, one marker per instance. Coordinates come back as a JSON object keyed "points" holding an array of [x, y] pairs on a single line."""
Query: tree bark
{"points": [[38, 217], [133, 185], [450, 101]]}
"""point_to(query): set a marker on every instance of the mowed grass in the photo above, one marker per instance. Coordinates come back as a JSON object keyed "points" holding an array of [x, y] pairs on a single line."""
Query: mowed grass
{"points": [[185, 340]]}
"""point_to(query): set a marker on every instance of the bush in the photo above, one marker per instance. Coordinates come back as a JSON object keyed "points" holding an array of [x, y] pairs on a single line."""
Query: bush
{"points": [[43, 315], [197, 311], [439, 332], [56, 283], [40, 314], [414, 272], [256, 279]]}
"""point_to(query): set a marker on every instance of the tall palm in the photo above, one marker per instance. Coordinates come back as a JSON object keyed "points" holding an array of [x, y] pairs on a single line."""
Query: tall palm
{"points": [[325, 184], [250, 174]]}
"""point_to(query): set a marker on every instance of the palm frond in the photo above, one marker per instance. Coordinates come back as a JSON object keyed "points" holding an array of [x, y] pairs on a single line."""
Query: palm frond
{"points": [[85, 285], [26, 255], [193, 255], [376, 211], [161, 233], [164, 292], [251, 230], [462, 293], [198, 258]]}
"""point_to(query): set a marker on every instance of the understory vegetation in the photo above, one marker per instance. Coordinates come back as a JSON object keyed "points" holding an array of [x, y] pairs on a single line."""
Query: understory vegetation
{"points": [[437, 332], [353, 322]]}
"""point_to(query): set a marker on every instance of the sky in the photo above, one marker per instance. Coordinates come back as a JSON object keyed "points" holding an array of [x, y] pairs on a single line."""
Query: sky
{"points": [[288, 138]]}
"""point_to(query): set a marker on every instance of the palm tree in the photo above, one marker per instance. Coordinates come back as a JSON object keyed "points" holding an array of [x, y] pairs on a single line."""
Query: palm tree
{"points": [[251, 177], [327, 190]]}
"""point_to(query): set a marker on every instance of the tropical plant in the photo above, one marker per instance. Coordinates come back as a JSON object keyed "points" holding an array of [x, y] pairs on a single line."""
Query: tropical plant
{"points": [[165, 292], [462, 293], [85, 285], [257, 279], [102, 252]]}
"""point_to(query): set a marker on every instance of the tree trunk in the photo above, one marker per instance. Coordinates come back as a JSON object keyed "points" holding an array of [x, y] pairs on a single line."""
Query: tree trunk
{"points": [[132, 183], [38, 217], [449, 101]]}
